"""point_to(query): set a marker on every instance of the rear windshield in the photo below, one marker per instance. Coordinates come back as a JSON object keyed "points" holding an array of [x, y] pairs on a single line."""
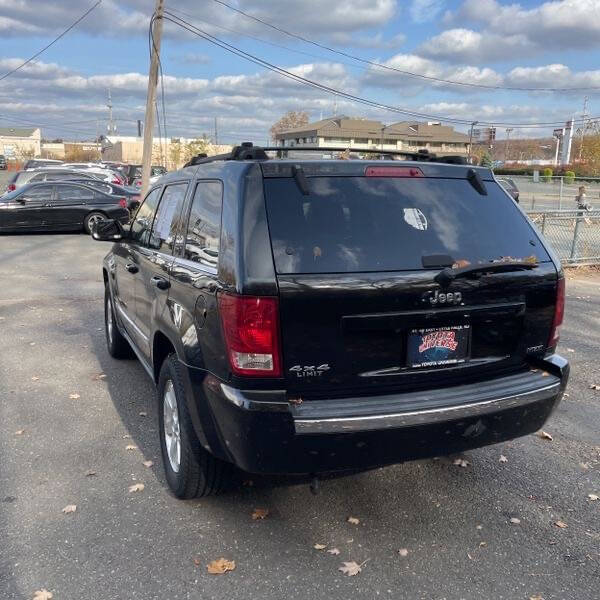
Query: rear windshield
{"points": [[359, 224]]}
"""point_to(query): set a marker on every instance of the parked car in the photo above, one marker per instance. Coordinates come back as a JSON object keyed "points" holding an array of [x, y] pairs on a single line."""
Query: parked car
{"points": [[510, 186], [36, 163], [99, 171], [20, 178], [59, 206], [2, 162], [137, 182], [135, 172], [321, 316], [131, 194]]}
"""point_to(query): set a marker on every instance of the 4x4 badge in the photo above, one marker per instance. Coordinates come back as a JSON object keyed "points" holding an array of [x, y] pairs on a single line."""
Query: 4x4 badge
{"points": [[309, 371]]}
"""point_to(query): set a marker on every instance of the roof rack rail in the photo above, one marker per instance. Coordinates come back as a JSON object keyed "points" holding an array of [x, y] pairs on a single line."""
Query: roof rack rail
{"points": [[247, 151]]}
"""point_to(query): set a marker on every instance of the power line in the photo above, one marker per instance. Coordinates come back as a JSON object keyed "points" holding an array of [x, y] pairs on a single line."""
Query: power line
{"points": [[20, 120], [303, 80], [83, 16], [401, 71]]}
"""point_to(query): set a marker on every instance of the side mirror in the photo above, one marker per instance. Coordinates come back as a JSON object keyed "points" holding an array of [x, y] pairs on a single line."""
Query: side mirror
{"points": [[109, 230]]}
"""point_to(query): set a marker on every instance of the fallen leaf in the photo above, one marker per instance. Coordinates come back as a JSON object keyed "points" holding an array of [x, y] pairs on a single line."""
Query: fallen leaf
{"points": [[90, 473], [479, 527], [126, 436], [515, 520], [197, 562], [353, 520], [333, 551], [131, 447], [594, 386], [70, 508], [143, 413], [136, 487], [19, 432], [570, 350], [98, 376], [350, 568], [502, 458], [32, 343], [560, 524], [536, 597], [260, 514], [461, 462], [148, 463], [403, 552], [482, 544], [320, 546], [220, 566], [74, 396], [35, 378], [42, 594], [545, 435], [593, 496]]}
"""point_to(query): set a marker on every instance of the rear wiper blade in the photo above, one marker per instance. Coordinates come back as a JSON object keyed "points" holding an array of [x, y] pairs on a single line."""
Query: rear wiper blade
{"points": [[300, 179], [448, 275]]}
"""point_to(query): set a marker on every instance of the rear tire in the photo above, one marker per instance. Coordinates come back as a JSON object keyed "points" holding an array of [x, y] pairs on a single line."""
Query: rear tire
{"points": [[91, 219], [191, 471], [118, 346]]}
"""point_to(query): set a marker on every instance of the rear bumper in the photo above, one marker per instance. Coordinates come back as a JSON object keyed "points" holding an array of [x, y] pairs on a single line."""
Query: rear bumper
{"points": [[261, 432]]}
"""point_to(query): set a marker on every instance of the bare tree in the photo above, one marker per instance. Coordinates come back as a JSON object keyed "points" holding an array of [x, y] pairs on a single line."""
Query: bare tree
{"points": [[290, 120]]}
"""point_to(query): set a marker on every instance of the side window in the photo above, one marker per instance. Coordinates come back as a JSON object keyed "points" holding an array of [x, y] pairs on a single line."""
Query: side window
{"points": [[38, 193], [204, 227], [168, 218], [73, 194], [142, 222], [39, 177]]}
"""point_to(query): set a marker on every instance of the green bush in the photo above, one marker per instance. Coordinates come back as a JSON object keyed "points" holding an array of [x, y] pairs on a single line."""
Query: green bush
{"points": [[569, 176], [547, 172]]}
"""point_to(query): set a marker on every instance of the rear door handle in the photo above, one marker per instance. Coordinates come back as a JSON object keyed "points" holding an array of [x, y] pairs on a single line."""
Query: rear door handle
{"points": [[132, 268], [160, 282]]}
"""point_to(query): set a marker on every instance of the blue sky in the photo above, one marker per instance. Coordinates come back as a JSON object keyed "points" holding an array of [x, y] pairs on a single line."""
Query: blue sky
{"points": [[491, 42]]}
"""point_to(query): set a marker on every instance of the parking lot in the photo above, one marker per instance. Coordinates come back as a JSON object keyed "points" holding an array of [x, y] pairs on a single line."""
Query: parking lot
{"points": [[77, 427]]}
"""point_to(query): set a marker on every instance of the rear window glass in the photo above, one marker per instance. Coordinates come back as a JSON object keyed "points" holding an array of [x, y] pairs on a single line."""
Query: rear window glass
{"points": [[354, 224]]}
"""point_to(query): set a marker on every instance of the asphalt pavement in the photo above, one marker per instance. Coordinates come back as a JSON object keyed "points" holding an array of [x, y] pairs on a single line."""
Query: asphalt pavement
{"points": [[68, 413]]}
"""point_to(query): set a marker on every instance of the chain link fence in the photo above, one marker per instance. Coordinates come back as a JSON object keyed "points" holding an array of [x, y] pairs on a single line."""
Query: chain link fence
{"points": [[573, 234], [554, 193]]}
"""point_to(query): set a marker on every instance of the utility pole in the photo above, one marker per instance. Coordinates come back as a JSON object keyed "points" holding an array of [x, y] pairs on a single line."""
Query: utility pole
{"points": [[509, 130], [585, 103], [150, 98], [112, 129], [471, 138], [216, 133]]}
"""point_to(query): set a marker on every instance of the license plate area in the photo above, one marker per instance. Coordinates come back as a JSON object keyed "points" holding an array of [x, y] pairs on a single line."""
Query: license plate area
{"points": [[438, 346]]}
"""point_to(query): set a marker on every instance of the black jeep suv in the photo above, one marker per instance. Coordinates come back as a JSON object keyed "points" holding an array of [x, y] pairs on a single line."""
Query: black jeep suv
{"points": [[308, 317]]}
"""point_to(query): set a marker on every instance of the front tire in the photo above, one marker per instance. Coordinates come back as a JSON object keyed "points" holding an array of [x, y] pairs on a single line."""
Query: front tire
{"points": [[118, 346], [190, 470], [92, 220]]}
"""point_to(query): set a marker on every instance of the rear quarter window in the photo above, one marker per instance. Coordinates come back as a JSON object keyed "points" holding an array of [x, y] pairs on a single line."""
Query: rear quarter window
{"points": [[354, 224]]}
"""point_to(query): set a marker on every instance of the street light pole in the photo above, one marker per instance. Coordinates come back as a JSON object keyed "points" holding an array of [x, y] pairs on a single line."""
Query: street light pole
{"points": [[508, 132], [471, 139], [150, 99]]}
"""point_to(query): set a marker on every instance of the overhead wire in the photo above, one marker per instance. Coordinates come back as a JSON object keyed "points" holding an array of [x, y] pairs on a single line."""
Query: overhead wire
{"points": [[395, 69], [74, 24], [352, 97]]}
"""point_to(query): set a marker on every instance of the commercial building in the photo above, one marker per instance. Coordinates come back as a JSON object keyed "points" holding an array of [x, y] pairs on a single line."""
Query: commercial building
{"points": [[19, 143], [364, 134]]}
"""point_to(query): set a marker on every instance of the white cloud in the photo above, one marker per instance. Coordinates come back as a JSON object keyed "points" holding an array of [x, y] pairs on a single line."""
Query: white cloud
{"points": [[422, 11]]}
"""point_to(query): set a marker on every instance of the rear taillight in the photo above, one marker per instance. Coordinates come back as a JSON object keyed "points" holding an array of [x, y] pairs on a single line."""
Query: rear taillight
{"points": [[117, 181], [11, 187], [251, 329], [393, 172], [122, 202], [559, 313]]}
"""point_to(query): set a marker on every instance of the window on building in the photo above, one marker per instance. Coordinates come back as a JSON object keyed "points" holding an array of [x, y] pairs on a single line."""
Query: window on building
{"points": [[361, 140]]}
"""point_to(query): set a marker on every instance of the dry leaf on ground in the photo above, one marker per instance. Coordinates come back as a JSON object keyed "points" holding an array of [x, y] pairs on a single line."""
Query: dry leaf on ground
{"points": [[70, 508], [98, 376], [90, 473], [260, 513], [333, 551], [461, 462], [220, 566], [560, 524], [42, 594], [482, 544], [502, 458], [74, 396], [148, 463], [570, 350], [320, 546], [131, 447], [143, 413], [593, 496], [19, 432], [353, 520], [515, 520], [403, 552], [350, 568], [545, 435], [136, 487], [594, 386], [35, 378], [536, 597]]}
